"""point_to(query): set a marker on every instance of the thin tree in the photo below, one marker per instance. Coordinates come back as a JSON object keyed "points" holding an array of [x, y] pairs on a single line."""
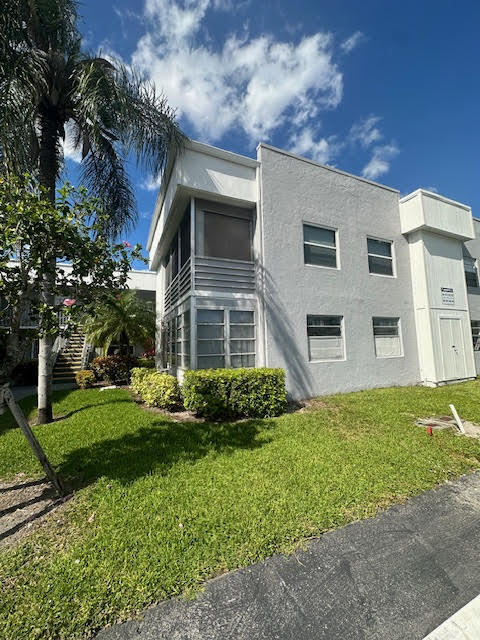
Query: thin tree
{"points": [[47, 85]]}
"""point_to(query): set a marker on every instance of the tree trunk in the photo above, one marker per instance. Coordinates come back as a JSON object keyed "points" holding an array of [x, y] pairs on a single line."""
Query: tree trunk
{"points": [[47, 177]]}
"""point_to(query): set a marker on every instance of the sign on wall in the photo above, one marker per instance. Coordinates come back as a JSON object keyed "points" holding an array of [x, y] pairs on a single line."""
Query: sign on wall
{"points": [[448, 297]]}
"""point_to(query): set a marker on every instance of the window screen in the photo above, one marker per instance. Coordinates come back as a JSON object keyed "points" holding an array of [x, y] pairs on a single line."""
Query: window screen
{"points": [[386, 336], [225, 236], [380, 259], [319, 246], [325, 338]]}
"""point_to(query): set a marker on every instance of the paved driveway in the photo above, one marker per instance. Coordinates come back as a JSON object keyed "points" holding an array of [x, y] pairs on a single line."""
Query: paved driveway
{"points": [[394, 577]]}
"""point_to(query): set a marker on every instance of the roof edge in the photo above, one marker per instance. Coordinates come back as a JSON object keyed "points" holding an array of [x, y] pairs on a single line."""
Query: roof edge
{"points": [[436, 196], [326, 166]]}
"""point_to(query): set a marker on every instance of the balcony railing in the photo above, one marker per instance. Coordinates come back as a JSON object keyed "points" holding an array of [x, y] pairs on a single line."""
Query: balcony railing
{"points": [[179, 287], [217, 274]]}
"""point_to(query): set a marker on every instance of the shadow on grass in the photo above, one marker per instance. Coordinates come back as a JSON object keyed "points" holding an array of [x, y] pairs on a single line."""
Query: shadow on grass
{"points": [[157, 448], [29, 405]]}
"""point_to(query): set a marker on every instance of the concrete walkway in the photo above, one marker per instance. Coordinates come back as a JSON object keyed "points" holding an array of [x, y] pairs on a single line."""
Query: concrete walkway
{"points": [[463, 625], [394, 577], [23, 392]]}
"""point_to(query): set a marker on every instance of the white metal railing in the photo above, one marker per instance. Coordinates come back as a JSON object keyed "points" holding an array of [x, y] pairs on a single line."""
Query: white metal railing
{"points": [[218, 274], [179, 287]]}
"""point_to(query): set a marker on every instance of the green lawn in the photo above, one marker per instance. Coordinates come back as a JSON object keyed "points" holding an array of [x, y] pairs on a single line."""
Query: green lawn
{"points": [[176, 503]]}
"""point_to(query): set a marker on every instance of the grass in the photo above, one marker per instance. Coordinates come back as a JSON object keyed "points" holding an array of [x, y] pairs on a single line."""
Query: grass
{"points": [[176, 503]]}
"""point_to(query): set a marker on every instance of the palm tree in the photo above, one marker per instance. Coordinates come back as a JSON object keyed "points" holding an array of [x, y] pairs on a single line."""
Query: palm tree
{"points": [[48, 84], [124, 319]]}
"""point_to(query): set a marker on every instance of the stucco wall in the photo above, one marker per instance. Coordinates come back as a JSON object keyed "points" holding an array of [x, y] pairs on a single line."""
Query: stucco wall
{"points": [[203, 173], [473, 247], [294, 191]]}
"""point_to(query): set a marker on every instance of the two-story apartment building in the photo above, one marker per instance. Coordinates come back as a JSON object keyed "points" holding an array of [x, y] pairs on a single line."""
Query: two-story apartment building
{"points": [[283, 262]]}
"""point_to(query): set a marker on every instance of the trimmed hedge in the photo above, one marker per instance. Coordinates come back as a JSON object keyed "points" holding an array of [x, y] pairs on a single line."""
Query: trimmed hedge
{"points": [[113, 369], [235, 393], [156, 389], [85, 378], [147, 363]]}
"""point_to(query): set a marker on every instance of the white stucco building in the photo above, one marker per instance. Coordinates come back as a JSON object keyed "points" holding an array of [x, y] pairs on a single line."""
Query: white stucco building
{"points": [[282, 262]]}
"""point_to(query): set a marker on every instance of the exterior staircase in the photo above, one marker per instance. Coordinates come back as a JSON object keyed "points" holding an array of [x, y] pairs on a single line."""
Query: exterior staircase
{"points": [[69, 359]]}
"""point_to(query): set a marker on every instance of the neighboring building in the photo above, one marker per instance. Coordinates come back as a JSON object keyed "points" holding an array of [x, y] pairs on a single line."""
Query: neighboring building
{"points": [[282, 262], [142, 280]]}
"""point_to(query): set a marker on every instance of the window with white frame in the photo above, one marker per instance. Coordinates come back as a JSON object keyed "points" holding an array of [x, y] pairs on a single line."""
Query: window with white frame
{"points": [[183, 340], [386, 336], [471, 269], [380, 257], [225, 338], [476, 334], [210, 338], [325, 338], [242, 338], [320, 246]]}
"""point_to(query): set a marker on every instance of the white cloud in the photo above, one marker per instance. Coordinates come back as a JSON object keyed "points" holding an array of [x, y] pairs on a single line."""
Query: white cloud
{"points": [[366, 132], [380, 161], [304, 144], [432, 189], [353, 41], [254, 85], [151, 183], [70, 152]]}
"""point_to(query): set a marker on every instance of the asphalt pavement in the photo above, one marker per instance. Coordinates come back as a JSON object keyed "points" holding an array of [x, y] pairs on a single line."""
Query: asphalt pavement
{"points": [[394, 577]]}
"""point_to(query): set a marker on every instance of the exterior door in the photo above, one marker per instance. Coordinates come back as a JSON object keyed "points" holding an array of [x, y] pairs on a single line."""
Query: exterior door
{"points": [[453, 352]]}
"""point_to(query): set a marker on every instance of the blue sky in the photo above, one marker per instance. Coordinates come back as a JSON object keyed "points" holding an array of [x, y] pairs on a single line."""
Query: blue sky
{"points": [[389, 90]]}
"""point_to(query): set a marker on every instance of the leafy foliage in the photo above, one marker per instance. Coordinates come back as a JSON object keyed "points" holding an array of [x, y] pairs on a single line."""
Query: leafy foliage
{"points": [[85, 378], [156, 389], [113, 369], [122, 318], [235, 393], [146, 362], [33, 231], [49, 86]]}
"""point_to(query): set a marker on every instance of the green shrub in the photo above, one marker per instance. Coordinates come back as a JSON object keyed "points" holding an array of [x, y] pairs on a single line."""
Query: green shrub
{"points": [[235, 393], [85, 378], [113, 369], [137, 375], [157, 389], [147, 363]]}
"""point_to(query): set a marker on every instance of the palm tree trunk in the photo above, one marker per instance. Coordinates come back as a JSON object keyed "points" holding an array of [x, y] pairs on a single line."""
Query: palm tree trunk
{"points": [[47, 178]]}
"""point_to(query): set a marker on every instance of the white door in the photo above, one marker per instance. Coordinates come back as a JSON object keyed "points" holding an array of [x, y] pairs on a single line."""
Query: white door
{"points": [[453, 352]]}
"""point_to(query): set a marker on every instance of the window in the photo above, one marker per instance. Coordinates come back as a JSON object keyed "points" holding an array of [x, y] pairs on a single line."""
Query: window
{"points": [[470, 266], [224, 236], [386, 335], [242, 339], [476, 334], [380, 260], [183, 340], [168, 345], [320, 246], [325, 338], [225, 338], [210, 338], [179, 250]]}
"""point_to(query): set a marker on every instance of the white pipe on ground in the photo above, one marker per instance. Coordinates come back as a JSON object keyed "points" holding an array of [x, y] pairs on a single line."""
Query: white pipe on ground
{"points": [[457, 418]]}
